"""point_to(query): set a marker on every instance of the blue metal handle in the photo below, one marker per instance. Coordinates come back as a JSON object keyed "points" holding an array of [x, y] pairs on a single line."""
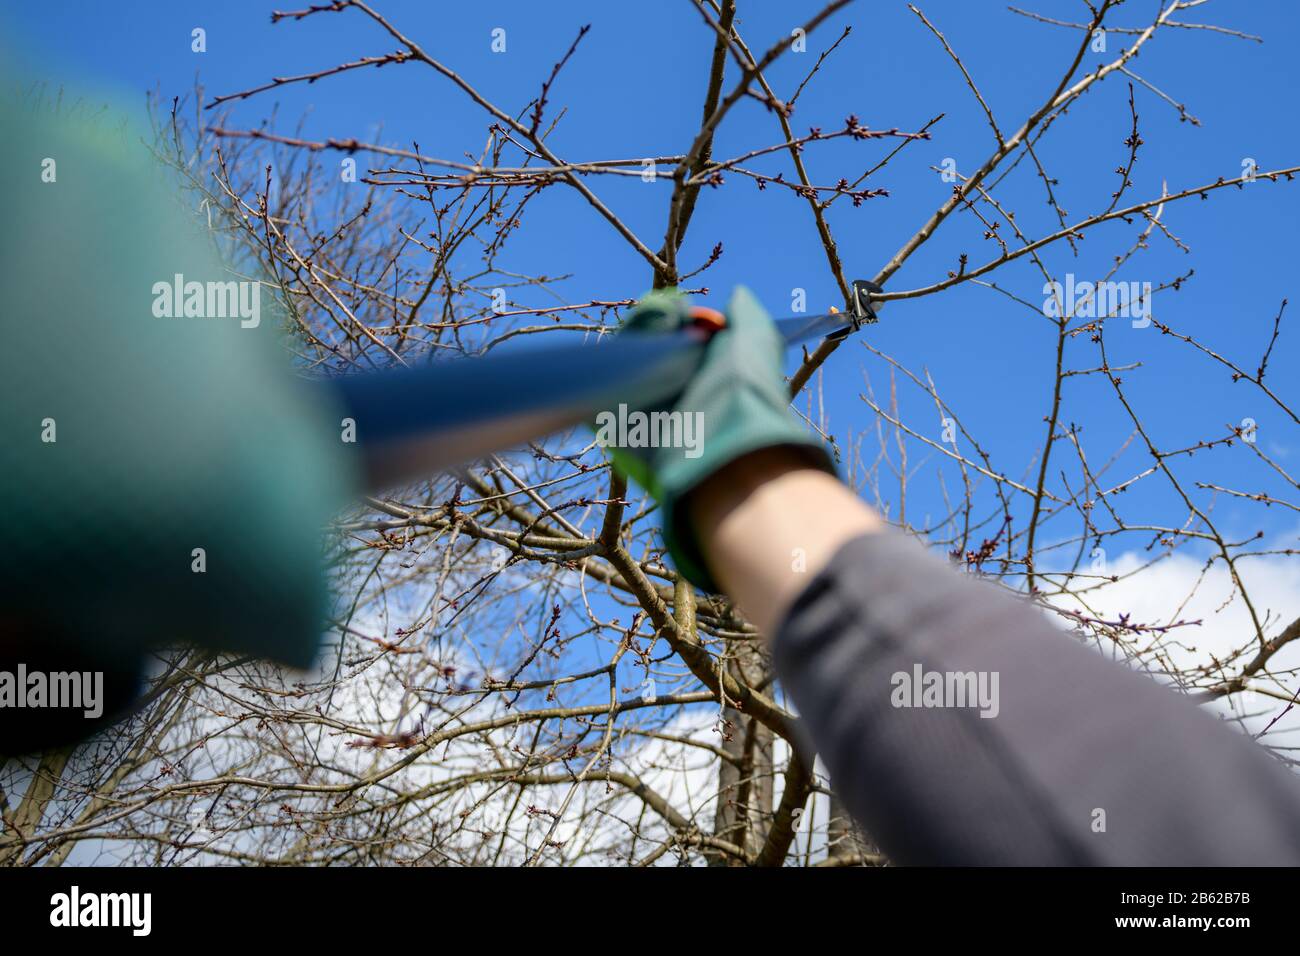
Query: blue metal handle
{"points": [[414, 421]]}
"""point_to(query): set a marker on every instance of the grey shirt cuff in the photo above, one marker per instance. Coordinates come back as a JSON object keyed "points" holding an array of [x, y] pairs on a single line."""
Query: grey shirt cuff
{"points": [[961, 727]]}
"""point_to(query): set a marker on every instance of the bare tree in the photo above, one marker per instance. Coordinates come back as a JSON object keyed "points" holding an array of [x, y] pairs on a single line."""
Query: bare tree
{"points": [[515, 676]]}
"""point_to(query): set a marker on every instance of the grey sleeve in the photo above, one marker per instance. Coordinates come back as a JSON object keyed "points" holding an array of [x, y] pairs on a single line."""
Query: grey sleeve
{"points": [[1046, 753]]}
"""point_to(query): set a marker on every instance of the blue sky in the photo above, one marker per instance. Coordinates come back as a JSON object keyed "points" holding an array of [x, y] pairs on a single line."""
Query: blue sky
{"points": [[634, 89]]}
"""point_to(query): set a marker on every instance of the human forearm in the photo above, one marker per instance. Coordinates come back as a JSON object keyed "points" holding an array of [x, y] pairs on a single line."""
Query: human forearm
{"points": [[768, 524], [1059, 757], [1069, 759]]}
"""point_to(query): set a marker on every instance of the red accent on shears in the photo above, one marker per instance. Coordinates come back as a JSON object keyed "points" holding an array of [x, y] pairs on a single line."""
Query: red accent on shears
{"points": [[710, 320]]}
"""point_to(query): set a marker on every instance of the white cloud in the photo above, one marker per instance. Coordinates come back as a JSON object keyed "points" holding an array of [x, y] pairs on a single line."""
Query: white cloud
{"points": [[1181, 588]]}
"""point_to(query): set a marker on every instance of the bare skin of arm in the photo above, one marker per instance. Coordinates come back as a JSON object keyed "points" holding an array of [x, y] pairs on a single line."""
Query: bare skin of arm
{"points": [[758, 514]]}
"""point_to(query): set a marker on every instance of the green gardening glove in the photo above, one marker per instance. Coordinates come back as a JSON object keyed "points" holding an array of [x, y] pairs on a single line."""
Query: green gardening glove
{"points": [[736, 403], [163, 477]]}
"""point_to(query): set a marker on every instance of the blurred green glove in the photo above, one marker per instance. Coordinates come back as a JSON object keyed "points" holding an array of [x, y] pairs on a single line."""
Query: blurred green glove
{"points": [[163, 478], [736, 403]]}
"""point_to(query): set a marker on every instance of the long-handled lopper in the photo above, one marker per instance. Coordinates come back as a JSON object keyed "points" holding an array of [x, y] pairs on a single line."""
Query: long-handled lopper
{"points": [[415, 421]]}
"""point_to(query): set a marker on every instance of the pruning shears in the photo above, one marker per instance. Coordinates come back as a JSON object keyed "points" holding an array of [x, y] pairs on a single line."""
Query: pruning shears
{"points": [[414, 421], [801, 328]]}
